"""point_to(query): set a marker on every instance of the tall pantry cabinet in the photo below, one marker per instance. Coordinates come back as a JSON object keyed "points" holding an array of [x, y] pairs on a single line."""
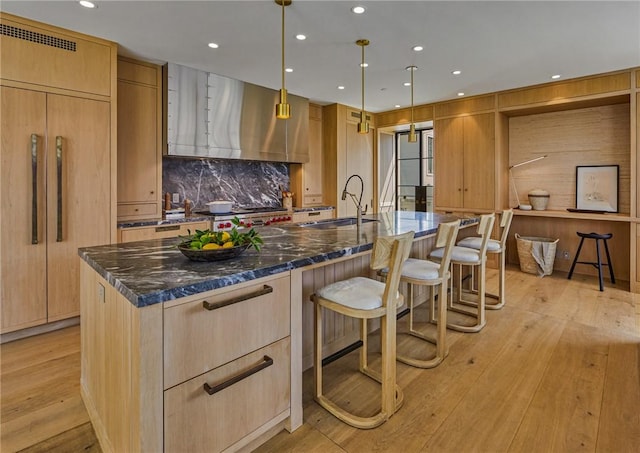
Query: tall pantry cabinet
{"points": [[57, 176]]}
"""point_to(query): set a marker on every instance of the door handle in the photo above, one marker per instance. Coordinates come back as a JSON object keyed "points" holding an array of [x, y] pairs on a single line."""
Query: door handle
{"points": [[59, 174], [34, 189]]}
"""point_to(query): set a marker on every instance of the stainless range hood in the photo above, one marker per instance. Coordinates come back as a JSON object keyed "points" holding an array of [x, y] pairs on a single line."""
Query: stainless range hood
{"points": [[208, 115]]}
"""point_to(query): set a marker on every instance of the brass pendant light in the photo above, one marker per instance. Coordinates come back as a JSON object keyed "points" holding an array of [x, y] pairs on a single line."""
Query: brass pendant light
{"points": [[412, 129], [283, 109], [363, 125]]}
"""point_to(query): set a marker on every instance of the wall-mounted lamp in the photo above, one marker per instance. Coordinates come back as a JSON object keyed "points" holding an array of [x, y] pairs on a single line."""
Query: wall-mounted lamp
{"points": [[283, 109], [524, 207], [363, 125], [412, 129]]}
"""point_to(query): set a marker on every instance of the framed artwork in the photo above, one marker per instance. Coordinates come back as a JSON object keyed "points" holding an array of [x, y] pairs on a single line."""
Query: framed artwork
{"points": [[597, 188]]}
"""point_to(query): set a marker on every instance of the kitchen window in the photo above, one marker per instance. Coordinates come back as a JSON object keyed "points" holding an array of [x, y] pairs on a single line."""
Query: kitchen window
{"points": [[414, 171]]}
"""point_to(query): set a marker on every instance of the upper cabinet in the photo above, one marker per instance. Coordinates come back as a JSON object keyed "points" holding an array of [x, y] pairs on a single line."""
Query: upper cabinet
{"points": [[345, 153], [36, 54], [139, 140], [465, 163], [306, 179]]}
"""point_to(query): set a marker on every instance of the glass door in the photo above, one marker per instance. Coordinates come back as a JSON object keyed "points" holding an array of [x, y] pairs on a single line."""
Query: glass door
{"points": [[414, 172]]}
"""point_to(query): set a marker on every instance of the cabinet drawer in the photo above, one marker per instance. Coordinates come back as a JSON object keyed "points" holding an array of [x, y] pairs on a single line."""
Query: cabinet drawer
{"points": [[312, 216], [160, 231], [197, 339], [137, 211], [196, 421], [310, 200]]}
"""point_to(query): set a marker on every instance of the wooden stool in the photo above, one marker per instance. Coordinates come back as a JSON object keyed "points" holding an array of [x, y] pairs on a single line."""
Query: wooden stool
{"points": [[597, 264], [423, 272], [496, 247], [476, 258], [366, 298]]}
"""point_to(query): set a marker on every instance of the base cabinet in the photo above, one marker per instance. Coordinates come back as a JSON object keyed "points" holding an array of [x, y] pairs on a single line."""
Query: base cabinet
{"points": [[204, 373], [160, 231]]}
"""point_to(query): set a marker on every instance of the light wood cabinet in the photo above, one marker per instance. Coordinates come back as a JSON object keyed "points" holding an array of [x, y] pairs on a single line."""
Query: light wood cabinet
{"points": [[160, 231], [236, 340], [67, 207], [45, 56], [57, 178], [139, 140], [465, 162], [306, 179], [345, 153], [312, 216]]}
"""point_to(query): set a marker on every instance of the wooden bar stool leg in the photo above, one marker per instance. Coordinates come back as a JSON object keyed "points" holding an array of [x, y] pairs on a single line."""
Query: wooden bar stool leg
{"points": [[575, 259], [317, 346], [364, 350], [606, 249], [599, 265]]}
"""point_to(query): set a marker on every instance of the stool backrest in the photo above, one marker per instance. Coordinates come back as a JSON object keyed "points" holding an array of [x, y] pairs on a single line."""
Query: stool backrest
{"points": [[505, 224], [484, 231], [446, 237], [391, 252]]}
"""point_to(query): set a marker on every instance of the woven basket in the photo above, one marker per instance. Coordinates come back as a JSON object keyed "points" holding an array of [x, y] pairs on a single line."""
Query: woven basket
{"points": [[528, 263]]}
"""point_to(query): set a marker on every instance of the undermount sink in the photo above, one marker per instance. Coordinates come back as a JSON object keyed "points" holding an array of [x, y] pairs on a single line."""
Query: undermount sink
{"points": [[333, 223]]}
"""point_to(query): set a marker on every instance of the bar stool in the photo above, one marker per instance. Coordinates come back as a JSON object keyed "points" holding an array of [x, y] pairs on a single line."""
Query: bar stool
{"points": [[366, 298], [498, 247], [464, 256], [597, 264], [436, 275]]}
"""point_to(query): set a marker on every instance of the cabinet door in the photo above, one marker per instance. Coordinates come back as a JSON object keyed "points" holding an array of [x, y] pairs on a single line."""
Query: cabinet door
{"points": [[479, 161], [60, 59], [359, 161], [22, 263], [139, 152], [448, 136], [85, 194], [313, 169]]}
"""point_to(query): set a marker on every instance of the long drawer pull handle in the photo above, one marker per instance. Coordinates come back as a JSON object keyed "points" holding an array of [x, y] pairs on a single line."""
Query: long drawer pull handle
{"points": [[59, 174], [311, 214], [266, 362], [34, 189], [167, 228], [266, 289]]}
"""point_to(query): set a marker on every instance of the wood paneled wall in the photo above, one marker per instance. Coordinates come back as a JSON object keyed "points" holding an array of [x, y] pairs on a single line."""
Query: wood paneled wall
{"points": [[590, 136]]}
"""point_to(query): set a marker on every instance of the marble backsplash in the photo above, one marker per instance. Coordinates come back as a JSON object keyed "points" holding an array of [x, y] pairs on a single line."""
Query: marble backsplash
{"points": [[245, 183]]}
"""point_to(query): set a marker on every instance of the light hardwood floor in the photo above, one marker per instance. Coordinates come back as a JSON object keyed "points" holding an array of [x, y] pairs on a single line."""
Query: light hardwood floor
{"points": [[556, 370]]}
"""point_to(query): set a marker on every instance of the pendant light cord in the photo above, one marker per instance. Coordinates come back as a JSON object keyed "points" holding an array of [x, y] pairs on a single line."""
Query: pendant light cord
{"points": [[362, 114], [412, 69], [283, 44]]}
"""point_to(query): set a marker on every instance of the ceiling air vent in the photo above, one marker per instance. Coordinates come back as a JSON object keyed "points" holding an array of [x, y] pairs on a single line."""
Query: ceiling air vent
{"points": [[39, 38]]}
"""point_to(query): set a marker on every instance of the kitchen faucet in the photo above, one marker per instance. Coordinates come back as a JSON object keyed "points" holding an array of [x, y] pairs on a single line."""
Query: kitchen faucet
{"points": [[358, 202]]}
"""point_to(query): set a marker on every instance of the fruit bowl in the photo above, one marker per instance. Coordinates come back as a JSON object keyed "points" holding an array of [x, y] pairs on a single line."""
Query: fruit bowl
{"points": [[211, 255]]}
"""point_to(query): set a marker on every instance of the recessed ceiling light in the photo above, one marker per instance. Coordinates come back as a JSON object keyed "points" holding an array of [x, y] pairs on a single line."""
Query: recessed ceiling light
{"points": [[358, 9], [364, 65], [289, 70], [87, 4], [213, 45], [407, 84], [460, 93], [417, 48], [556, 76], [340, 87], [301, 37], [456, 72], [397, 106]]}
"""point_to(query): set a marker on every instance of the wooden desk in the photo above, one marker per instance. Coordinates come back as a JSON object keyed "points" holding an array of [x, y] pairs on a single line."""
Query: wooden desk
{"points": [[563, 225]]}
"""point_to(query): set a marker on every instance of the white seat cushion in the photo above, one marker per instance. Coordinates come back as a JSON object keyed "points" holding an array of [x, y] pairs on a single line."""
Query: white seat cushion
{"points": [[358, 292], [458, 254], [420, 269], [474, 242]]}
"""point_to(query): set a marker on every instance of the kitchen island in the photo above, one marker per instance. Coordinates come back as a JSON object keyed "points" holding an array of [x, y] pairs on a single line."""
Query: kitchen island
{"points": [[190, 356]]}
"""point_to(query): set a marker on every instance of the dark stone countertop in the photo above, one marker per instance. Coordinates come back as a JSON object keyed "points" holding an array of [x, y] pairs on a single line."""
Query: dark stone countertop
{"points": [[154, 271]]}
